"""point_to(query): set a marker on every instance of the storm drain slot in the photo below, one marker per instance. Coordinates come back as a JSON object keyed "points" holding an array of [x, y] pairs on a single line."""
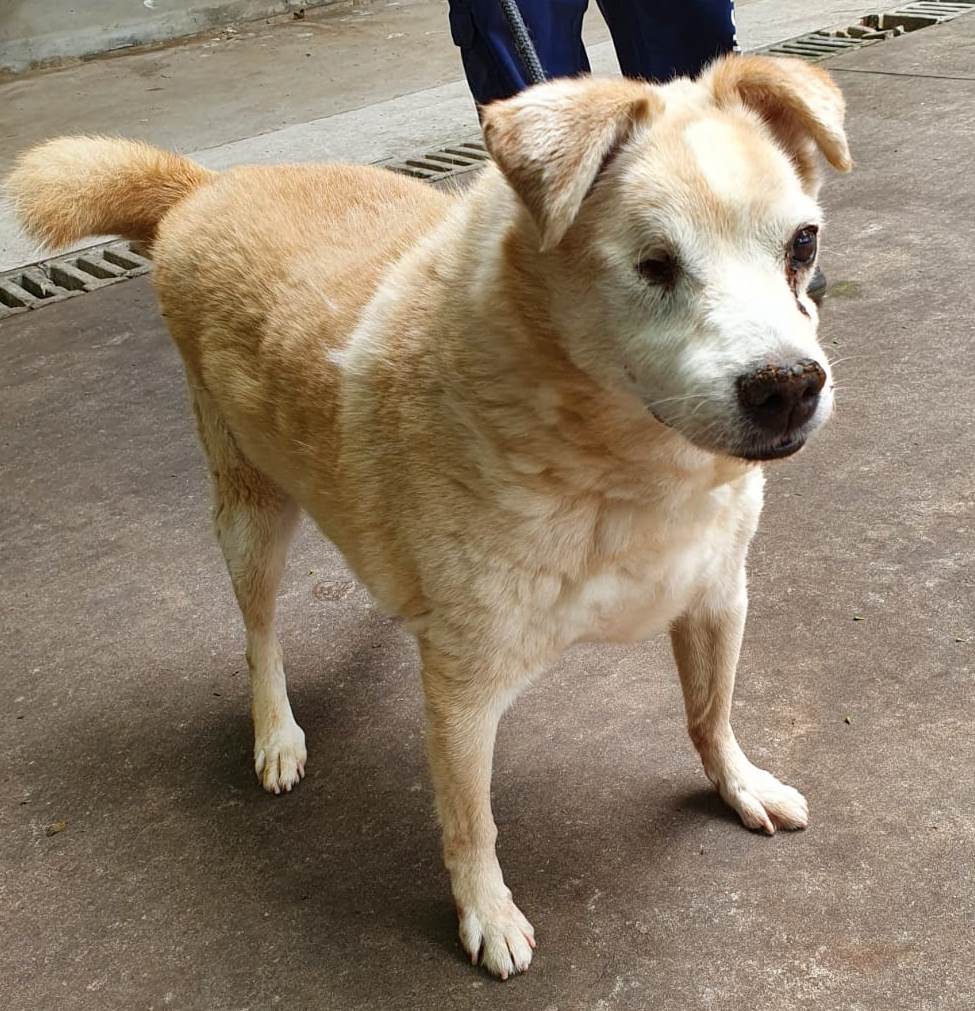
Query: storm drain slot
{"points": [[65, 276], [869, 29], [442, 163], [815, 46]]}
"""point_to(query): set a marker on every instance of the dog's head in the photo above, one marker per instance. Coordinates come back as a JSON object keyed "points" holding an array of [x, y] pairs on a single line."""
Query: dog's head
{"points": [[678, 228]]}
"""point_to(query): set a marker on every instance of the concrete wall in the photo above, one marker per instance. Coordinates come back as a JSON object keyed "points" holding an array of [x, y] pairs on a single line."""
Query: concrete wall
{"points": [[38, 32]]}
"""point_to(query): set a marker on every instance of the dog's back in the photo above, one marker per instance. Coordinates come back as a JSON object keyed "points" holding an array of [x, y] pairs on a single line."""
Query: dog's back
{"points": [[263, 273], [254, 243], [259, 270], [250, 240]]}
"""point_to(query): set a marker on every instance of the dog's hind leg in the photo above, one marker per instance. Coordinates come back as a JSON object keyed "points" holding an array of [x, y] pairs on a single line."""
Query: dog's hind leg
{"points": [[254, 522]]}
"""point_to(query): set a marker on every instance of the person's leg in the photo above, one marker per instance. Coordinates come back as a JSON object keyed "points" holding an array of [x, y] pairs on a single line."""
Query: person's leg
{"points": [[661, 39], [488, 51]]}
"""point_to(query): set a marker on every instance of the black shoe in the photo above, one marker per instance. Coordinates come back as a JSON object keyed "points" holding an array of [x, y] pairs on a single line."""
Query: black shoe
{"points": [[817, 286]]}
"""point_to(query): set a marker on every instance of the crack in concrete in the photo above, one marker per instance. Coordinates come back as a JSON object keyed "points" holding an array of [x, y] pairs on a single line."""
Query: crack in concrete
{"points": [[897, 73]]}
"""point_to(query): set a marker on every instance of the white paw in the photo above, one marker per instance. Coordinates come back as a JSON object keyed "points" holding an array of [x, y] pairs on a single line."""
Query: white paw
{"points": [[762, 802], [494, 932], [280, 756]]}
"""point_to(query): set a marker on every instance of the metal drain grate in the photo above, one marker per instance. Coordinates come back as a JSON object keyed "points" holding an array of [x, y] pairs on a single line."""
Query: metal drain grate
{"points": [[65, 276], [443, 163], [814, 47], [920, 14], [872, 28], [943, 10]]}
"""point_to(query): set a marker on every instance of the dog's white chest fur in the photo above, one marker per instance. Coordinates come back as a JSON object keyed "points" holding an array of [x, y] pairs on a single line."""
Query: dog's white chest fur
{"points": [[615, 571], [656, 564], [630, 601]]}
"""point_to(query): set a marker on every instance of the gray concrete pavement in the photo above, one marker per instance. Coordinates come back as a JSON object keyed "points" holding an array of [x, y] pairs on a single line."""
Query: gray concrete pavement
{"points": [[44, 31], [176, 883]]}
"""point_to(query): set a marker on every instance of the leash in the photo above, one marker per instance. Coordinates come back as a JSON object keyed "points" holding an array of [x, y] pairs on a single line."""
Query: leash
{"points": [[527, 54]]}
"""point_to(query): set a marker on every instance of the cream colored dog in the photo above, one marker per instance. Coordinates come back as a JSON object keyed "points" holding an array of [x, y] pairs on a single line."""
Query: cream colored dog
{"points": [[529, 416]]}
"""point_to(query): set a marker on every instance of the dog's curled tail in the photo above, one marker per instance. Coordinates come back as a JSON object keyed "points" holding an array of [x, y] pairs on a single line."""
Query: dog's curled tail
{"points": [[71, 187]]}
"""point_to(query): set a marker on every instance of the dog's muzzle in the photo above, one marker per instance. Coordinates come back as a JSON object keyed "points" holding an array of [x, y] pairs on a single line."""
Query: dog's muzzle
{"points": [[777, 402]]}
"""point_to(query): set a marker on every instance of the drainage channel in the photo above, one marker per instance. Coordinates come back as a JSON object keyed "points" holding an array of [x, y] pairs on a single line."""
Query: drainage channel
{"points": [[443, 163], [54, 280]]}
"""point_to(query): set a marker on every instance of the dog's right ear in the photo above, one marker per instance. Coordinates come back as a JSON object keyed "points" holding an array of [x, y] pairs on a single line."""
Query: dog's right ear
{"points": [[552, 140]]}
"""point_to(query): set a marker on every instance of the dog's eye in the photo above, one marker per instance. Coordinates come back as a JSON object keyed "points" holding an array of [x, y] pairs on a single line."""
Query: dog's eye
{"points": [[659, 269], [802, 252]]}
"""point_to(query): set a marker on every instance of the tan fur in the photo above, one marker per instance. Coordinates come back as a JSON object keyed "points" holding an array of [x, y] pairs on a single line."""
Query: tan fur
{"points": [[438, 382], [552, 153], [798, 100], [72, 187]]}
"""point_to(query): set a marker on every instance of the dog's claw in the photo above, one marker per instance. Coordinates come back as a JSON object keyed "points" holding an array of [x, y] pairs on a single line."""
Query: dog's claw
{"points": [[762, 802], [279, 758], [499, 937]]}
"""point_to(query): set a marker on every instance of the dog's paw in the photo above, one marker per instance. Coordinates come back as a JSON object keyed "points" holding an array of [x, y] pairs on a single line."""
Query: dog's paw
{"points": [[762, 802], [280, 756], [495, 933]]}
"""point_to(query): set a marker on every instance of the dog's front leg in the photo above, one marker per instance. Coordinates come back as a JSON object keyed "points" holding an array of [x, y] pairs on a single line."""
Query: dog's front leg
{"points": [[706, 641], [464, 703]]}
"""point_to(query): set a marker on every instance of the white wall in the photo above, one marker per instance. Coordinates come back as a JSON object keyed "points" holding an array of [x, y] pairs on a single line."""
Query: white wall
{"points": [[37, 32]]}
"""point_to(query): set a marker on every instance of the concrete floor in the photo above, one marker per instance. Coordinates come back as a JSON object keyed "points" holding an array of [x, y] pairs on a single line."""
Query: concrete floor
{"points": [[258, 78], [176, 882]]}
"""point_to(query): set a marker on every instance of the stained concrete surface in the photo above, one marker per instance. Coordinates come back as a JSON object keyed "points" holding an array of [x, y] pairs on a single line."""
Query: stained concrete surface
{"points": [[177, 883], [39, 32]]}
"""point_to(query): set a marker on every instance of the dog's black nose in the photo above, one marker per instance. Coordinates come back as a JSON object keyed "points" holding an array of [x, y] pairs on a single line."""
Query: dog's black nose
{"points": [[779, 399]]}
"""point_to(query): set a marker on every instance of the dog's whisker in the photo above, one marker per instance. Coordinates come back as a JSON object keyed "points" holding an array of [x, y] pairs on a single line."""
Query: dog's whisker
{"points": [[696, 409], [846, 358], [670, 400]]}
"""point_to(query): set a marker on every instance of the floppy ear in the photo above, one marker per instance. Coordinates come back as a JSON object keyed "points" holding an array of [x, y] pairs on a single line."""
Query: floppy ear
{"points": [[799, 101], [552, 140]]}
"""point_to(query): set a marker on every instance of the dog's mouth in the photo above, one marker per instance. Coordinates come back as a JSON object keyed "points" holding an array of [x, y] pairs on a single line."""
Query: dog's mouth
{"points": [[777, 450], [653, 414], [755, 450]]}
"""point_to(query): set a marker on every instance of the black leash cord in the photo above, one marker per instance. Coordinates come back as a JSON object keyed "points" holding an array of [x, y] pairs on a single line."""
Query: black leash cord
{"points": [[523, 43]]}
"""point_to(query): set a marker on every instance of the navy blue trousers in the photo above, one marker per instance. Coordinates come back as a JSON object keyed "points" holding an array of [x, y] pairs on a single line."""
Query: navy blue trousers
{"points": [[654, 39]]}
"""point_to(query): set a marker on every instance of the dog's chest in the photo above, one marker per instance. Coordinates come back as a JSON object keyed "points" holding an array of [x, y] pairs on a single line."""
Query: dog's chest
{"points": [[645, 570]]}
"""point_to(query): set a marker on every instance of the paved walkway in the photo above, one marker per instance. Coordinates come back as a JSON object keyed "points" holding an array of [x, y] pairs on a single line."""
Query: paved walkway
{"points": [[176, 883]]}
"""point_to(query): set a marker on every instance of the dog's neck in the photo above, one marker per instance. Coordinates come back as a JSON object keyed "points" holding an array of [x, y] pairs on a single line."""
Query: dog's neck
{"points": [[519, 391]]}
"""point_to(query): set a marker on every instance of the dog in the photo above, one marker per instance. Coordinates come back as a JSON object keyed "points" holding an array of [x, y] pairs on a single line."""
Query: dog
{"points": [[531, 415]]}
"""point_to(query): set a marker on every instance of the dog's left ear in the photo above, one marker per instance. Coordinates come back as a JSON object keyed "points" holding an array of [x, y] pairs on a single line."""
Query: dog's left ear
{"points": [[551, 142], [800, 102]]}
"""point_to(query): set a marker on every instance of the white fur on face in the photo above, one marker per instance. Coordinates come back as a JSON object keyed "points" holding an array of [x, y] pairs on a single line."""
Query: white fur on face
{"points": [[716, 193]]}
